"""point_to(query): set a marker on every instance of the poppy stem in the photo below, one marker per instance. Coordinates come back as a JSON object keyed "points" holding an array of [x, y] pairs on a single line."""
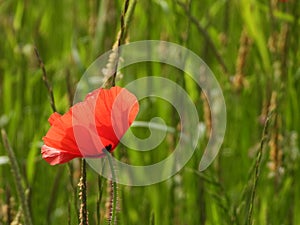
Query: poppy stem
{"points": [[83, 215], [113, 211]]}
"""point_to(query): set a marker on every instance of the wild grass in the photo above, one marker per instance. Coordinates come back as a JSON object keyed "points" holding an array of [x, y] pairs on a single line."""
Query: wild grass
{"points": [[252, 48]]}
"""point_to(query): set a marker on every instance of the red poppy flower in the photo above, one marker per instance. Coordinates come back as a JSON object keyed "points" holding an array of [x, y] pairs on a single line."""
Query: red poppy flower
{"points": [[89, 127]]}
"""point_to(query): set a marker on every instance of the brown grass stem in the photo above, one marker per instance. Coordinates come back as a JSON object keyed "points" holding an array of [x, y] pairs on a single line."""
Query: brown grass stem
{"points": [[52, 103], [125, 19], [83, 213], [120, 39], [45, 79]]}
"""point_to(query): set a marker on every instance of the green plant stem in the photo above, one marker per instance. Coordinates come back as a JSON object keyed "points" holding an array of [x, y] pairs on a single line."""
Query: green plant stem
{"points": [[74, 189], [124, 20], [54, 194], [9, 206], [18, 178], [114, 184], [120, 39], [257, 166]]}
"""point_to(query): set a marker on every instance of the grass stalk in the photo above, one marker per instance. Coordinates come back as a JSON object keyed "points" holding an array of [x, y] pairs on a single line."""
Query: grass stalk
{"points": [[69, 213], [52, 103], [83, 213], [152, 219], [9, 207], [121, 37], [99, 199], [54, 194], [18, 179], [113, 210], [74, 189], [45, 79], [263, 142], [206, 36]]}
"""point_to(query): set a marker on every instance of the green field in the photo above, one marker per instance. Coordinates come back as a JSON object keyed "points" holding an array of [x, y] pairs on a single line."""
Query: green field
{"points": [[251, 46]]}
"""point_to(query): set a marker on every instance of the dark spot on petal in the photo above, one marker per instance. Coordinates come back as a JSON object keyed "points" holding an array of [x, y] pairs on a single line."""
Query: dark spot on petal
{"points": [[108, 147]]}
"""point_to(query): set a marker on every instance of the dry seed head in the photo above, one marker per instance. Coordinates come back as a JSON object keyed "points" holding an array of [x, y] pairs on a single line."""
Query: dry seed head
{"points": [[93, 18], [277, 70], [275, 159], [272, 42], [109, 200], [239, 80], [275, 143], [282, 38], [113, 60], [274, 4], [17, 219], [293, 146], [4, 212], [273, 102], [92, 25], [76, 170], [264, 113], [223, 38]]}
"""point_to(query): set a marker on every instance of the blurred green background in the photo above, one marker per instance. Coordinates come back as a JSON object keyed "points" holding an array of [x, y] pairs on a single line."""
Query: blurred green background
{"points": [[251, 46]]}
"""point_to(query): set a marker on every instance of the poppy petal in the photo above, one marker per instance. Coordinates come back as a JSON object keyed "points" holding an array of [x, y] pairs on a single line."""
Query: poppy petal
{"points": [[55, 116], [56, 156], [90, 126]]}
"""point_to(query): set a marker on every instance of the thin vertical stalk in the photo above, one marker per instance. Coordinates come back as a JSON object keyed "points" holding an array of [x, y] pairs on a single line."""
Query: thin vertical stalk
{"points": [[152, 219], [120, 40], [83, 213], [263, 141], [124, 20], [202, 203], [18, 179], [70, 165], [69, 87], [206, 36], [69, 213], [99, 198], [53, 194], [112, 65], [52, 103], [74, 189], [45, 79], [9, 207], [226, 17], [113, 210]]}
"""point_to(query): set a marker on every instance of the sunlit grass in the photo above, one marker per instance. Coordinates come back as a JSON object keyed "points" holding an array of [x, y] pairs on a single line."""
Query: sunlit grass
{"points": [[70, 35]]}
